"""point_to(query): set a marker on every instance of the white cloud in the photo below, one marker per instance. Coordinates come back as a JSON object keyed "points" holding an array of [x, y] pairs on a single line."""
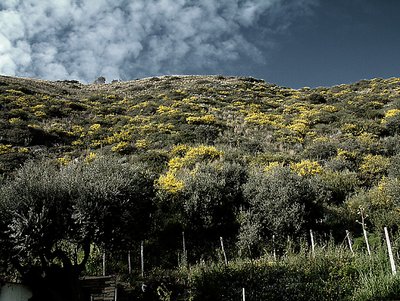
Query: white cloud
{"points": [[126, 39]]}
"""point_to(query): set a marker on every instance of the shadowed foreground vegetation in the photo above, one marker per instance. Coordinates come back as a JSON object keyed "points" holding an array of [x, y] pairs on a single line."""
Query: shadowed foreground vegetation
{"points": [[88, 169]]}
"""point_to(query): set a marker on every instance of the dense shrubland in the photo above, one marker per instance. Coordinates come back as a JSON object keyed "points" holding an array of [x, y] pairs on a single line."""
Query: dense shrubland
{"points": [[101, 168]]}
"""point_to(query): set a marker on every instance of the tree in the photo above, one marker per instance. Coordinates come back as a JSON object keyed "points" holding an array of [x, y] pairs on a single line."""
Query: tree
{"points": [[281, 203], [211, 199], [200, 194], [51, 215], [37, 225], [100, 80]]}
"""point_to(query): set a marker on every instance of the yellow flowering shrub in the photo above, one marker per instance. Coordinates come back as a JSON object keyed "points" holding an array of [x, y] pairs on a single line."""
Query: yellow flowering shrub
{"points": [[382, 191], [23, 150], [296, 107], [120, 147], [259, 118], [224, 92], [186, 157], [374, 164], [19, 100], [288, 136], [63, 160], [206, 119], [321, 139], [180, 91], [238, 103], [40, 114], [392, 113], [254, 108], [76, 130], [350, 128], [14, 92], [179, 150], [121, 136], [299, 126], [38, 107], [141, 143], [94, 130], [5, 149], [90, 157], [15, 121], [346, 155], [165, 127], [367, 140], [96, 143], [272, 165], [175, 164], [202, 152], [139, 106], [77, 142], [170, 183], [391, 121], [306, 168], [167, 110], [329, 108], [95, 127]]}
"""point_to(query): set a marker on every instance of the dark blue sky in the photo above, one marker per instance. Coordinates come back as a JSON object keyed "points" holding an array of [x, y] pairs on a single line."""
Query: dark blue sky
{"points": [[342, 41], [293, 43]]}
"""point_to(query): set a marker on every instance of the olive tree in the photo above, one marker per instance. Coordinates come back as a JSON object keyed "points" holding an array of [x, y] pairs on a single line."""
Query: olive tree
{"points": [[50, 216], [280, 203], [212, 196], [205, 208]]}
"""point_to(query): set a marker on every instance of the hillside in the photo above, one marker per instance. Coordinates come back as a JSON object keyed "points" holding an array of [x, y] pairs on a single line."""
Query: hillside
{"points": [[202, 159], [345, 132], [266, 122]]}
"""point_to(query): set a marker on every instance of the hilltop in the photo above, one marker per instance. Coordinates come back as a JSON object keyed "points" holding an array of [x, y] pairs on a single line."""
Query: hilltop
{"points": [[67, 119]]}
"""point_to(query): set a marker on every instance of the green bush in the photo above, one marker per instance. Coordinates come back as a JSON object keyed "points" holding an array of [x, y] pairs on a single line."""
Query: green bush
{"points": [[281, 203], [323, 278]]}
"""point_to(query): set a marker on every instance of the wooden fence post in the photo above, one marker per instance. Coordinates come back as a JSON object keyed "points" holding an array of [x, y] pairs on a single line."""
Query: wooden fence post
{"points": [[312, 244], [142, 258], [349, 241], [129, 263], [184, 255], [223, 250], [366, 242], [389, 246], [104, 263]]}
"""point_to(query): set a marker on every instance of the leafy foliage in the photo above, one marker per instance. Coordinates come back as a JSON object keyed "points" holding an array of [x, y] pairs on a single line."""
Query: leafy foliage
{"points": [[281, 203]]}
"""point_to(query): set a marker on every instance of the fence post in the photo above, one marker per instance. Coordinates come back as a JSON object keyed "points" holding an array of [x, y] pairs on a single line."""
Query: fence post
{"points": [[389, 246], [366, 242], [312, 244], [129, 263], [104, 263], [244, 294], [184, 255], [142, 258], [349, 241], [223, 250]]}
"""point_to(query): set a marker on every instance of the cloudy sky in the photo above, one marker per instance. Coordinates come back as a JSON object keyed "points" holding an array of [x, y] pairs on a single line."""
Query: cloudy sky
{"points": [[289, 42]]}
